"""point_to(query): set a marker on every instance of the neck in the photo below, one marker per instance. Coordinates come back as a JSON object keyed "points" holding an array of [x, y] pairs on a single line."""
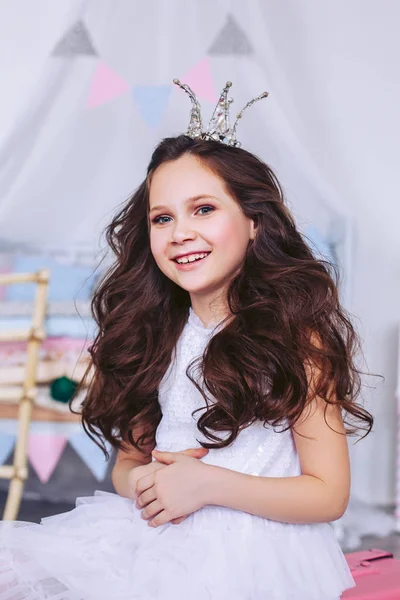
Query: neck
{"points": [[209, 312]]}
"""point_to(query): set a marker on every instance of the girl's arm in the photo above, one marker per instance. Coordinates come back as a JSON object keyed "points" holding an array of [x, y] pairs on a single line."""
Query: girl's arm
{"points": [[127, 459], [319, 494]]}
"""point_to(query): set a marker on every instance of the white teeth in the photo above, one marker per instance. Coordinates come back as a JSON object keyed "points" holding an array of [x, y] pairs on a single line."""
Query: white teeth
{"points": [[191, 257]]}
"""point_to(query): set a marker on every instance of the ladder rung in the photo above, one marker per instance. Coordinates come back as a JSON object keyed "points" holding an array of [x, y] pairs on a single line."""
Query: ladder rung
{"points": [[6, 471], [12, 471], [41, 276], [22, 335], [15, 394], [15, 335]]}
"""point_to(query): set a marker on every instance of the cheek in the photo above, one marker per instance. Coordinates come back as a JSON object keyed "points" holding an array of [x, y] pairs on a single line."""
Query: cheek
{"points": [[229, 233], [157, 244]]}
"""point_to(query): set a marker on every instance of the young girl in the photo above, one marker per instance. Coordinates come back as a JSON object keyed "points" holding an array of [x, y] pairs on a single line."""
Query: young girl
{"points": [[223, 364]]}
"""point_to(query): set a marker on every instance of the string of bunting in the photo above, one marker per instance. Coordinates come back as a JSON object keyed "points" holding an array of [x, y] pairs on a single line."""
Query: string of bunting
{"points": [[47, 443]]}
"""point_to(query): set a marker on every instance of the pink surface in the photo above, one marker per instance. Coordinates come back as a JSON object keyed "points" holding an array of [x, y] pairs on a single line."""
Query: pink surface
{"points": [[51, 343], [44, 452], [106, 85], [200, 79], [377, 576]]}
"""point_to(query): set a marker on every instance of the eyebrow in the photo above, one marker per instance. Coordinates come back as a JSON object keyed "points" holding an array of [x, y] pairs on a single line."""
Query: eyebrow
{"points": [[187, 201]]}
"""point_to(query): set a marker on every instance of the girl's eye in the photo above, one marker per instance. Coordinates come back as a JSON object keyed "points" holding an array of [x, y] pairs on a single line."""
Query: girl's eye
{"points": [[201, 208], [156, 220]]}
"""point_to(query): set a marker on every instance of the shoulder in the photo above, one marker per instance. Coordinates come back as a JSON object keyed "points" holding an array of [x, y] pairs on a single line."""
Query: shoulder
{"points": [[319, 433], [319, 413]]}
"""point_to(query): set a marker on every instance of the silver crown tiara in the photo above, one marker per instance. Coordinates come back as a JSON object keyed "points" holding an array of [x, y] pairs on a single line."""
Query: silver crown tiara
{"points": [[219, 128]]}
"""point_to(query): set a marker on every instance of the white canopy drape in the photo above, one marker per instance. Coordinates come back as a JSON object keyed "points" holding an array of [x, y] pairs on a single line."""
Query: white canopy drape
{"points": [[87, 93]]}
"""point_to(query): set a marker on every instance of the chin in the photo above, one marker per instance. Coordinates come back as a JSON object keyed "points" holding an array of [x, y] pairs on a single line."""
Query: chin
{"points": [[194, 289]]}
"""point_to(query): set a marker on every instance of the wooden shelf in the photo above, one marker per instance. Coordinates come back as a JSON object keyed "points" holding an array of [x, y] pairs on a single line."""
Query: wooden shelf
{"points": [[39, 413]]}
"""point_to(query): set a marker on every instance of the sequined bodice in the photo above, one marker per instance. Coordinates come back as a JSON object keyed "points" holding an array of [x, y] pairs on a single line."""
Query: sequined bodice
{"points": [[257, 450]]}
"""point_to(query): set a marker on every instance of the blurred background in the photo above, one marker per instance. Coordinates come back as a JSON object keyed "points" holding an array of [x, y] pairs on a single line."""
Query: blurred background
{"points": [[87, 93]]}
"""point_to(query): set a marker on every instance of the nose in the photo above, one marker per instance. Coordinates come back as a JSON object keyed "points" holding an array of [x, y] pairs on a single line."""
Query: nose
{"points": [[181, 232]]}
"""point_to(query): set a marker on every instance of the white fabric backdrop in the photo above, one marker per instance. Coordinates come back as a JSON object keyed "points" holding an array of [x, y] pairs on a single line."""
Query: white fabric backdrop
{"points": [[330, 129]]}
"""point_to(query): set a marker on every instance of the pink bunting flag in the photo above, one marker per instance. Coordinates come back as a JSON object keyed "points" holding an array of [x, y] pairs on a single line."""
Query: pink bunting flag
{"points": [[200, 79], [44, 452], [106, 85]]}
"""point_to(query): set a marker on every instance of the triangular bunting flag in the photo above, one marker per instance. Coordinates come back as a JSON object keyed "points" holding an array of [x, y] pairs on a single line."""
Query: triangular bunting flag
{"points": [[231, 40], [91, 454], [76, 41], [7, 441], [44, 452], [200, 79], [152, 101], [106, 85]]}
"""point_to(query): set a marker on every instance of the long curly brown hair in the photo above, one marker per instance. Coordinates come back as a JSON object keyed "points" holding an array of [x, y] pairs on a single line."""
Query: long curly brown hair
{"points": [[285, 312]]}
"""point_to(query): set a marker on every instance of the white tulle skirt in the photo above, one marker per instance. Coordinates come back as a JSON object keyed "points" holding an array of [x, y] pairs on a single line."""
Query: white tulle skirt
{"points": [[104, 550]]}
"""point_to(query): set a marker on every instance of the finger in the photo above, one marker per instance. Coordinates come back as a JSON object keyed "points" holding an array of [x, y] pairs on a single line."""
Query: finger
{"points": [[161, 519], [178, 520], [139, 472], [146, 497], [166, 458], [196, 452], [154, 465], [150, 468], [152, 509], [144, 483]]}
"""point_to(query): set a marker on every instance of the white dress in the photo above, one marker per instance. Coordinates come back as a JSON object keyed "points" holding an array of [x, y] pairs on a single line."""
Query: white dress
{"points": [[103, 549]]}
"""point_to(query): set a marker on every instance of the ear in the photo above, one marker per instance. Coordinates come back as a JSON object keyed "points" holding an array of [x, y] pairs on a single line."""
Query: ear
{"points": [[253, 229]]}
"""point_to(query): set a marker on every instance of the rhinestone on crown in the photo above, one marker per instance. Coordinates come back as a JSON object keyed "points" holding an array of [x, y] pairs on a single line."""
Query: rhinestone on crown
{"points": [[219, 128]]}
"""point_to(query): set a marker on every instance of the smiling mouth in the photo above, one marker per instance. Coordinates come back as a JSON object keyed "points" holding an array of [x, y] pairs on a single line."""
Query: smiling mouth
{"points": [[190, 262]]}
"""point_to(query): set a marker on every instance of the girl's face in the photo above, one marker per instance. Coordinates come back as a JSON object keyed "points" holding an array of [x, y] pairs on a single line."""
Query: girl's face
{"points": [[191, 213]]}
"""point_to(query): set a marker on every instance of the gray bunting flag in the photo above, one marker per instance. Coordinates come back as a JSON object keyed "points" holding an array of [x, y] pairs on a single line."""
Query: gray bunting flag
{"points": [[76, 41], [231, 40]]}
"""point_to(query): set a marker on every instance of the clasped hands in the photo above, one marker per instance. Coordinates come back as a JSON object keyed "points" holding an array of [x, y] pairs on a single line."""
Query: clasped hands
{"points": [[170, 488]]}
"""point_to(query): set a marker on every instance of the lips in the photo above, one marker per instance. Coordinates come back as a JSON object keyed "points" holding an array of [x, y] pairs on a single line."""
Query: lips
{"points": [[190, 264], [190, 254]]}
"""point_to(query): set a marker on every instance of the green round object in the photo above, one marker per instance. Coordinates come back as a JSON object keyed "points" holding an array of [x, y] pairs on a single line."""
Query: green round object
{"points": [[63, 389]]}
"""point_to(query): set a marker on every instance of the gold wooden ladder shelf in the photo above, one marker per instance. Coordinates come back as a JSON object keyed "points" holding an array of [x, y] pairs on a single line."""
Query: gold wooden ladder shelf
{"points": [[17, 472]]}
